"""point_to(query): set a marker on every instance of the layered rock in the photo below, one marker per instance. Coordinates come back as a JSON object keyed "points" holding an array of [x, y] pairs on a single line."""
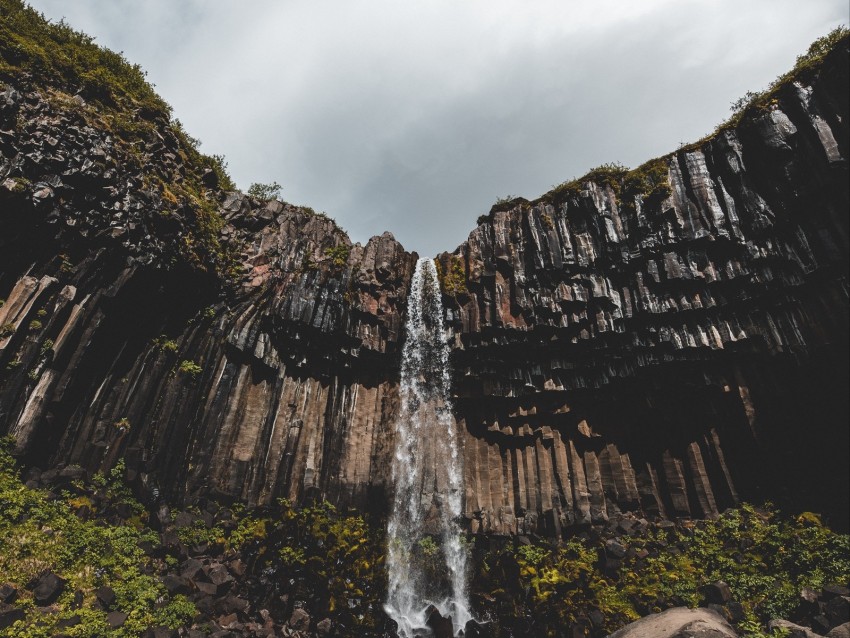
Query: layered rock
{"points": [[276, 378], [669, 343], [663, 347]]}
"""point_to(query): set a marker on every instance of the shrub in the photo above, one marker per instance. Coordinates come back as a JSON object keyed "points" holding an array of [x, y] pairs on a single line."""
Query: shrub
{"points": [[190, 367], [338, 254], [265, 192]]}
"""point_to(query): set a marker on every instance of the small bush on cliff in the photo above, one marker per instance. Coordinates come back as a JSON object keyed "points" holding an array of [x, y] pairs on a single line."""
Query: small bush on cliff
{"points": [[190, 367], [338, 255], [265, 192]]}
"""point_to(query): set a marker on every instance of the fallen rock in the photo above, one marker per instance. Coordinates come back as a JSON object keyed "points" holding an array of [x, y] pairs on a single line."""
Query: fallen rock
{"points": [[300, 620], [793, 630], [679, 622], [9, 615], [8, 594], [116, 619], [842, 631], [47, 589], [718, 593]]}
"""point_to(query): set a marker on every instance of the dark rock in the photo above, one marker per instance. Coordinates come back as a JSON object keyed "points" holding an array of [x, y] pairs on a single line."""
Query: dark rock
{"points": [[47, 589], [838, 610], [324, 627], [116, 619], [821, 624], [105, 596], [475, 629], [299, 620], [597, 619], [8, 594], [442, 627], [834, 591], [9, 614], [615, 549], [232, 604], [175, 584], [718, 593], [736, 611], [160, 632], [70, 621]]}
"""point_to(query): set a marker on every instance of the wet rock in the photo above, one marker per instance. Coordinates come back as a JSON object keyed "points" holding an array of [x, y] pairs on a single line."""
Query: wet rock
{"points": [[440, 626]]}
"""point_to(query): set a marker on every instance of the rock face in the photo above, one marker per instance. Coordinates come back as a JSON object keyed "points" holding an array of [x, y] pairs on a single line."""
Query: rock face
{"points": [[669, 350], [277, 379]]}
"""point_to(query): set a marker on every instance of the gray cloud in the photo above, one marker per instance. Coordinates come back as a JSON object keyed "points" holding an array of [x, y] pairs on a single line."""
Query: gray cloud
{"points": [[415, 117]]}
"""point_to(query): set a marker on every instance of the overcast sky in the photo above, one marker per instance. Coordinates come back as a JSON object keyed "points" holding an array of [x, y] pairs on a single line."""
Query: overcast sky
{"points": [[414, 117]]}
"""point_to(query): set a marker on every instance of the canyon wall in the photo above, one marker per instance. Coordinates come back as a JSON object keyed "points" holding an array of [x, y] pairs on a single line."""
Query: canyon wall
{"points": [[668, 340]]}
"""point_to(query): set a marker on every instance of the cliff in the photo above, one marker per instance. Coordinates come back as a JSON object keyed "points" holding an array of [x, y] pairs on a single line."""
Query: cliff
{"points": [[669, 339]]}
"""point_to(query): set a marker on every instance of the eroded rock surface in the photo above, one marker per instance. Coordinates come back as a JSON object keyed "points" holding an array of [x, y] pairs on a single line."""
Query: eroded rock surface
{"points": [[668, 350]]}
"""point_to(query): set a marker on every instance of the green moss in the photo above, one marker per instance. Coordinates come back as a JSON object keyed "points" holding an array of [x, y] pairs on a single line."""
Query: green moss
{"points": [[338, 255], [190, 367], [453, 277]]}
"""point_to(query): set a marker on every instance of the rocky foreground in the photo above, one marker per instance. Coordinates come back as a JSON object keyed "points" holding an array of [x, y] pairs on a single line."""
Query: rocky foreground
{"points": [[80, 556]]}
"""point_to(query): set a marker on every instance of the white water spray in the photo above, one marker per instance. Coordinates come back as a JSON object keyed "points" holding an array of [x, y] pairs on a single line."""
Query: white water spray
{"points": [[427, 472]]}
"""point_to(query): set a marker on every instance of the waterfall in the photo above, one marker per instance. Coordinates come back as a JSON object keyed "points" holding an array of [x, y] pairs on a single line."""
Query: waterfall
{"points": [[427, 473]]}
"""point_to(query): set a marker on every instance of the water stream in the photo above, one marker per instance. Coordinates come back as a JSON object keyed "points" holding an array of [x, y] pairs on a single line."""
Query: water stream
{"points": [[427, 474]]}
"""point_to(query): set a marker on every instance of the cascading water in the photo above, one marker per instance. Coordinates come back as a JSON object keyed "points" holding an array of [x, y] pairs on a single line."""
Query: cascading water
{"points": [[427, 472]]}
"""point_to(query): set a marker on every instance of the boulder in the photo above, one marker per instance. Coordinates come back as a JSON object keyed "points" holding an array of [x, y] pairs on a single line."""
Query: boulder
{"points": [[47, 589], [842, 631], [9, 615], [792, 630], [679, 622], [300, 620]]}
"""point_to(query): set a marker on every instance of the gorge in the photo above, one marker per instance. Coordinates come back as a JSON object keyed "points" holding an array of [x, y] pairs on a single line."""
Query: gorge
{"points": [[658, 344]]}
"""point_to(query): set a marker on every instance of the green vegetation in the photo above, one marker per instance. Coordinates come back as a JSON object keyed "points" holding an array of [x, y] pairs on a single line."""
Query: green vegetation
{"points": [[338, 556], [165, 344], [265, 192], [40, 531], [35, 325], [765, 558], [190, 367], [453, 278], [6, 330], [650, 180], [338, 255], [806, 65]]}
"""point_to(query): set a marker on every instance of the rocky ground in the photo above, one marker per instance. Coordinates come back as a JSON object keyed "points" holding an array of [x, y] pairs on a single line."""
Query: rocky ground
{"points": [[228, 571]]}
